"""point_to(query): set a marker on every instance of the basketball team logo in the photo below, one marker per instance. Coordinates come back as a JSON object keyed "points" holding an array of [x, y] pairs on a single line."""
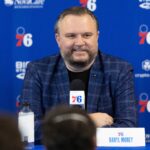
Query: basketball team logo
{"points": [[144, 103], [83, 3], [23, 38], [144, 34], [90, 4]]}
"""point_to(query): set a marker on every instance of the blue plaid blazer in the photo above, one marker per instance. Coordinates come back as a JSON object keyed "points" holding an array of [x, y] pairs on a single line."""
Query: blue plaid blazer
{"points": [[110, 89]]}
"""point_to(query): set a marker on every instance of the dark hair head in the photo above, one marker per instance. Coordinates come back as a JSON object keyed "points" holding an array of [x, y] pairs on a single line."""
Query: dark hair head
{"points": [[10, 138], [78, 11], [67, 128]]}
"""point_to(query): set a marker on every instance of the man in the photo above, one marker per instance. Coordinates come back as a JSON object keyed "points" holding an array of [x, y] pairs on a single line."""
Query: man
{"points": [[67, 128], [108, 81], [10, 138]]}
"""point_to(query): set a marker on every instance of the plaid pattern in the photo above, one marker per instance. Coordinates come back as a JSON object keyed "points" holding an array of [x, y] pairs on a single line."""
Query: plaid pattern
{"points": [[110, 90]]}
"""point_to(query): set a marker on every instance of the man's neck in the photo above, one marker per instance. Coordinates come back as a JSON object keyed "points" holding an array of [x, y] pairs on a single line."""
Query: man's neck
{"points": [[78, 69]]}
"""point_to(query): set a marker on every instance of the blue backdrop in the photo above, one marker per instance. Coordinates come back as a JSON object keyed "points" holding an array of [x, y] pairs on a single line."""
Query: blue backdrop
{"points": [[26, 33]]}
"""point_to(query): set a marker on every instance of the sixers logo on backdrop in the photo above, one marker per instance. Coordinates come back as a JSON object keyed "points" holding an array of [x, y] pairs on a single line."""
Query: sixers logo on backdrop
{"points": [[145, 4], [25, 4], [23, 38], [83, 3], [90, 4], [144, 34], [144, 103], [21, 69]]}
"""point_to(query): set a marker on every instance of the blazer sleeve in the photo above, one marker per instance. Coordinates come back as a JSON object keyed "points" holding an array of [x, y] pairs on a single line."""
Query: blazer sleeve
{"points": [[125, 103], [32, 92]]}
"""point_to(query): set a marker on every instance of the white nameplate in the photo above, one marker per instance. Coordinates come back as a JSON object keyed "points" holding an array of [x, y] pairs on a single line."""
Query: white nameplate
{"points": [[120, 137]]}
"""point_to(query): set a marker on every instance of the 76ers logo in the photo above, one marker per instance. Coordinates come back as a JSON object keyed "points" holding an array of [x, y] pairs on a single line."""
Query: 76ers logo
{"points": [[144, 34], [77, 97], [23, 38], [144, 102], [90, 4]]}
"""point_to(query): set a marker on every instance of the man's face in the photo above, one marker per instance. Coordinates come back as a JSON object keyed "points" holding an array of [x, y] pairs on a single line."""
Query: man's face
{"points": [[77, 38]]}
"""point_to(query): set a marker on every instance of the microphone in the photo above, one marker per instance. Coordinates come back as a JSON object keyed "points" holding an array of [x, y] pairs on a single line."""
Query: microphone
{"points": [[77, 94]]}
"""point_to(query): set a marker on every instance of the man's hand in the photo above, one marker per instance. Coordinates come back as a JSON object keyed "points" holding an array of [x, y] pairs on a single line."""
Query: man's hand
{"points": [[101, 119]]}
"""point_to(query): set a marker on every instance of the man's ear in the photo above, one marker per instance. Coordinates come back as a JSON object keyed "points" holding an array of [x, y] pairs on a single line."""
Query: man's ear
{"points": [[98, 33], [57, 37]]}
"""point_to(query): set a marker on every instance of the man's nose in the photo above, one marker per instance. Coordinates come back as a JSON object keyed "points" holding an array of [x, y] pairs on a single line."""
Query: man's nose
{"points": [[79, 41]]}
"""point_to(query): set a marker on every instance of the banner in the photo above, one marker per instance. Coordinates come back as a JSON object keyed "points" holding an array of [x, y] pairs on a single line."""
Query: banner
{"points": [[27, 33]]}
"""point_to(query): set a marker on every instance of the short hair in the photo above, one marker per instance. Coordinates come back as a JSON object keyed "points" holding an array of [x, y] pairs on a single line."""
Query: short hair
{"points": [[66, 128], [10, 138], [78, 11]]}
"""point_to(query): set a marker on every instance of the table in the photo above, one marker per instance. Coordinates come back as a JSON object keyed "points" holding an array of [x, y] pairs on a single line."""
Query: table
{"points": [[147, 147]]}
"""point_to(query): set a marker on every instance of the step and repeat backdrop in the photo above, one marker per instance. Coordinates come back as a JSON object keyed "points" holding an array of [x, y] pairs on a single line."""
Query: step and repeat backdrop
{"points": [[27, 33]]}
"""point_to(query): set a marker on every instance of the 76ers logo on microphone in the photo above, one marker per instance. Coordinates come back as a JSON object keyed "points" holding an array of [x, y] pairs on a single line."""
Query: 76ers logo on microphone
{"points": [[77, 98], [23, 38]]}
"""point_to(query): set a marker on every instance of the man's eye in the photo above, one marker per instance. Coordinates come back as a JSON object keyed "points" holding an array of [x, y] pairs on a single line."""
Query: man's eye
{"points": [[70, 36], [87, 35]]}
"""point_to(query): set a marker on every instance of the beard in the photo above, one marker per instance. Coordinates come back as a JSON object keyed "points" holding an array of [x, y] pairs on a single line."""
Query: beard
{"points": [[69, 58]]}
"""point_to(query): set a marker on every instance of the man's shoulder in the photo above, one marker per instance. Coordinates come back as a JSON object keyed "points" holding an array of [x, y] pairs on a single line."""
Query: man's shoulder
{"points": [[46, 64], [108, 59], [115, 64], [45, 61]]}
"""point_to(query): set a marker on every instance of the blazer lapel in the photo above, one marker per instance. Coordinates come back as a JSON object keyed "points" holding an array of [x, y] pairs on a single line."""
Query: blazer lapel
{"points": [[95, 84]]}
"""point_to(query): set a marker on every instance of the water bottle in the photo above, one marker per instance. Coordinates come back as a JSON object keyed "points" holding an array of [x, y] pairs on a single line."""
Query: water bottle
{"points": [[26, 125]]}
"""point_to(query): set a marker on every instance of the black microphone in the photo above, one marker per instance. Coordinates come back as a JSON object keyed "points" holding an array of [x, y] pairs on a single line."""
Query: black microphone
{"points": [[77, 93], [77, 85]]}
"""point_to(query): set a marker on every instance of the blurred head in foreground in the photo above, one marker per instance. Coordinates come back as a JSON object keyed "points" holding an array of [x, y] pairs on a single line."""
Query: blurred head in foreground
{"points": [[10, 138], [66, 128]]}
